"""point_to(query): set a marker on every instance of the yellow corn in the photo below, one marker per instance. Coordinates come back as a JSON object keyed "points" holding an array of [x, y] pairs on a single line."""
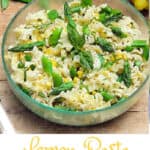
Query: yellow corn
{"points": [[80, 74], [93, 92], [54, 63], [75, 80]]}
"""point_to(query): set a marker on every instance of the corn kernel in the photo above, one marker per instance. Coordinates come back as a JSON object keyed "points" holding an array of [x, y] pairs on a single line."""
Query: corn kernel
{"points": [[93, 92], [66, 80], [80, 74], [54, 63], [75, 80]]}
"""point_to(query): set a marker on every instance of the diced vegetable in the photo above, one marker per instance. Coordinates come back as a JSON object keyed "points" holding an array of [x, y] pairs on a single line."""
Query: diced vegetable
{"points": [[108, 15], [47, 65], [63, 87], [126, 74], [86, 60], [75, 9], [104, 44], [118, 32], [107, 96], [21, 65], [73, 35], [67, 11], [26, 90], [86, 30], [139, 44], [57, 79], [101, 59], [86, 3], [32, 67], [52, 14], [73, 72], [28, 57], [26, 47], [54, 37], [137, 63], [41, 94]]}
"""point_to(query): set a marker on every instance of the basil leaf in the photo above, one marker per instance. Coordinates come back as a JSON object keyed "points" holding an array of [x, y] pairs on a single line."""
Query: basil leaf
{"points": [[63, 87], [47, 65], [54, 37], [86, 60]]}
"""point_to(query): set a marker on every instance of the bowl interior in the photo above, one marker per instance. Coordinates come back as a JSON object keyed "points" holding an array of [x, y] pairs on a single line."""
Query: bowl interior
{"points": [[19, 18]]}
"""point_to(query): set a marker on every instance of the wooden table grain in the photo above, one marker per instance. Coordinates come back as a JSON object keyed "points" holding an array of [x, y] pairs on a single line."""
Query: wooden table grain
{"points": [[134, 120]]}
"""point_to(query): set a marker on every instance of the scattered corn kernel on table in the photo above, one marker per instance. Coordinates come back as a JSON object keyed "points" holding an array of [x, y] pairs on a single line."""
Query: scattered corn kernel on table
{"points": [[134, 120]]}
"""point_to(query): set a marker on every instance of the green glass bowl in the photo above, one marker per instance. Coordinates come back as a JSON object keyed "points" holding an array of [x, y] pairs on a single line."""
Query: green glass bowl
{"points": [[62, 116]]}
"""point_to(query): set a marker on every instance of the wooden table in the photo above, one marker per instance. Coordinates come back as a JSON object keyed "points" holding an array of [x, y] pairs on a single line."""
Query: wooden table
{"points": [[134, 120]]}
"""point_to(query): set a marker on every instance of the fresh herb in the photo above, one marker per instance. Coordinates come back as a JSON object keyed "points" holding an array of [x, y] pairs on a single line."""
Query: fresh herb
{"points": [[63, 87], [21, 65], [139, 44], [41, 94], [32, 67], [28, 57], [86, 3], [57, 79], [54, 37], [86, 60], [26, 47], [107, 96], [118, 32], [73, 35], [47, 65], [73, 72], [52, 14], [107, 15], [104, 44], [101, 59], [125, 76]]}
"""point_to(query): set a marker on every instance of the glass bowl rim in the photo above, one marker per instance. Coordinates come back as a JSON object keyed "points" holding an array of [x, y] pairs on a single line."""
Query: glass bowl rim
{"points": [[45, 106]]}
